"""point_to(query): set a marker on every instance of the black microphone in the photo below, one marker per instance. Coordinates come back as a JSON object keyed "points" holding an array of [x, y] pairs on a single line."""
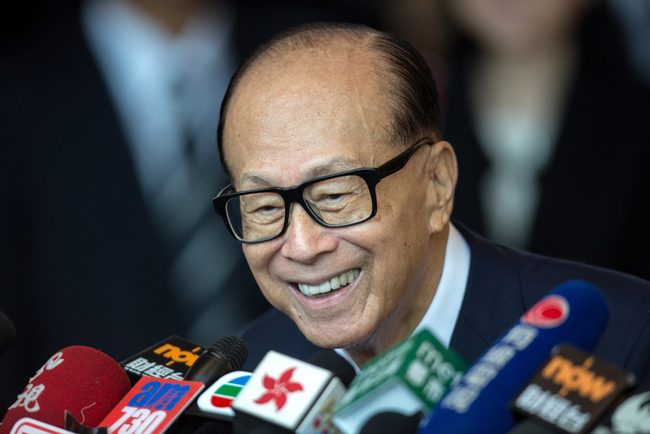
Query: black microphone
{"points": [[531, 426], [332, 361], [390, 422], [216, 365], [211, 427], [178, 360], [7, 333], [225, 355]]}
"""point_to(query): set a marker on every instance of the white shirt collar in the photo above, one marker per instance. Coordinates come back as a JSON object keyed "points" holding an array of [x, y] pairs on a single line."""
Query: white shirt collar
{"points": [[443, 312]]}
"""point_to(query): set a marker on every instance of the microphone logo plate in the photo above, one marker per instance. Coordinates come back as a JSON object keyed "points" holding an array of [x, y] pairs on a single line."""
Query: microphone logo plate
{"points": [[151, 406], [217, 399], [282, 390]]}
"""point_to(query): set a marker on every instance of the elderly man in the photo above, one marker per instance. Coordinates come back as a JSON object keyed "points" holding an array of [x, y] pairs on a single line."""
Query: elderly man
{"points": [[341, 194]]}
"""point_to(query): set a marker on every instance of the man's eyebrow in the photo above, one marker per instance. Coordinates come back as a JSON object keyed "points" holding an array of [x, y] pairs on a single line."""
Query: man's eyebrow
{"points": [[339, 164], [254, 181]]}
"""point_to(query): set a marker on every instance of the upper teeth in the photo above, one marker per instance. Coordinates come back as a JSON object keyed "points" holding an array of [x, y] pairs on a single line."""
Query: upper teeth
{"points": [[335, 283]]}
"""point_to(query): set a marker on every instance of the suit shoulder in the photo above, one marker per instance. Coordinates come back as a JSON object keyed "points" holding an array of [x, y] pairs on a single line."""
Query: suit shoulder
{"points": [[626, 341], [621, 290], [518, 279]]}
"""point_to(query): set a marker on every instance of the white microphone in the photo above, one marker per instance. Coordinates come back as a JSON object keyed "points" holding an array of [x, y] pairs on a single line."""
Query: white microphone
{"points": [[287, 395]]}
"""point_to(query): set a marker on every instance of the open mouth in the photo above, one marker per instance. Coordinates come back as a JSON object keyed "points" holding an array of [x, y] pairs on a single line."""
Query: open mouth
{"points": [[334, 284]]}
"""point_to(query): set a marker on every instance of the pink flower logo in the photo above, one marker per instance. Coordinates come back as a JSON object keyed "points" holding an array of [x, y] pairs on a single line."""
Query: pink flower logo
{"points": [[277, 391]]}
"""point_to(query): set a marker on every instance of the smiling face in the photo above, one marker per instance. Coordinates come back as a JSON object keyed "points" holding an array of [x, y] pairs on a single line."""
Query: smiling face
{"points": [[315, 113]]}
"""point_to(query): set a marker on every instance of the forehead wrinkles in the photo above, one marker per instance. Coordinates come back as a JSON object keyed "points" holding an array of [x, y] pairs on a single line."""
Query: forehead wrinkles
{"points": [[296, 93]]}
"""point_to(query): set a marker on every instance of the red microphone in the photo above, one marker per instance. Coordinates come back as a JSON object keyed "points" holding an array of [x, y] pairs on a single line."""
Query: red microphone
{"points": [[84, 381]]}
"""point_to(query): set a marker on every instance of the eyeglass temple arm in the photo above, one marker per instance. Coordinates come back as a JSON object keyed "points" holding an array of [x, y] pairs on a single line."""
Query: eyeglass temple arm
{"points": [[400, 161]]}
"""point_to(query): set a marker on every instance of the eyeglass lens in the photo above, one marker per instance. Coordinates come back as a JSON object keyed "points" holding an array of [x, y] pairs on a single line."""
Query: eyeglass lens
{"points": [[339, 201]]}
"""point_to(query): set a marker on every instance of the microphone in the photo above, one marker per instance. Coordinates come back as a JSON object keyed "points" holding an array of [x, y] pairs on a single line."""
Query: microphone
{"points": [[410, 377], [215, 402], [213, 427], [631, 416], [530, 426], [571, 390], [27, 425], [287, 395], [84, 381], [575, 312], [390, 422], [151, 406], [217, 367], [7, 333], [217, 399], [211, 412], [227, 354], [332, 361], [216, 363]]}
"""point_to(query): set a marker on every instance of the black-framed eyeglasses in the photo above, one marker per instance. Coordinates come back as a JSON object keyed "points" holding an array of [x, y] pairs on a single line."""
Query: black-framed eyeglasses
{"points": [[334, 201]]}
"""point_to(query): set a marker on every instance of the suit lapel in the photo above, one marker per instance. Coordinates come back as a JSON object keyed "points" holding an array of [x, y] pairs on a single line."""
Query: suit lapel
{"points": [[493, 298]]}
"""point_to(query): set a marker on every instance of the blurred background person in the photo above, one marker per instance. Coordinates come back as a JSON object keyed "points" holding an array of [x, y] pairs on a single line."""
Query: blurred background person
{"points": [[551, 125], [426, 25], [108, 165], [635, 16]]}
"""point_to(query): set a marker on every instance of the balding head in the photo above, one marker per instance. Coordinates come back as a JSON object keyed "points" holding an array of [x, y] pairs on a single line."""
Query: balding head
{"points": [[408, 91]]}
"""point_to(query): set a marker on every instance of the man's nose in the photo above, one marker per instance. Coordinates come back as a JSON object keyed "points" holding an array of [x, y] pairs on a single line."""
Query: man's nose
{"points": [[304, 238]]}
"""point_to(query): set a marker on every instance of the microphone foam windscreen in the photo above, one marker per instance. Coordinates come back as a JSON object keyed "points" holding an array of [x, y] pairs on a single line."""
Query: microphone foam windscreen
{"points": [[84, 381], [234, 348]]}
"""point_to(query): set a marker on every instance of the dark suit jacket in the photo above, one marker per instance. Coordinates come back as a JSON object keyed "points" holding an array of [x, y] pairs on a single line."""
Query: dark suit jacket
{"points": [[594, 205], [503, 283]]}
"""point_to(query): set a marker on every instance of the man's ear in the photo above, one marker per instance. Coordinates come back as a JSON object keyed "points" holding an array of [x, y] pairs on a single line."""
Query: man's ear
{"points": [[442, 174]]}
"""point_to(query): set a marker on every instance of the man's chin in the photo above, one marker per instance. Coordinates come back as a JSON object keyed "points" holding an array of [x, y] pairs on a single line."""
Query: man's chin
{"points": [[333, 338]]}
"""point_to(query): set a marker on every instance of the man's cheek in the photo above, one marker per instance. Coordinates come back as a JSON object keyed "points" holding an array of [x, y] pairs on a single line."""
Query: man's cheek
{"points": [[256, 260], [274, 296]]}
